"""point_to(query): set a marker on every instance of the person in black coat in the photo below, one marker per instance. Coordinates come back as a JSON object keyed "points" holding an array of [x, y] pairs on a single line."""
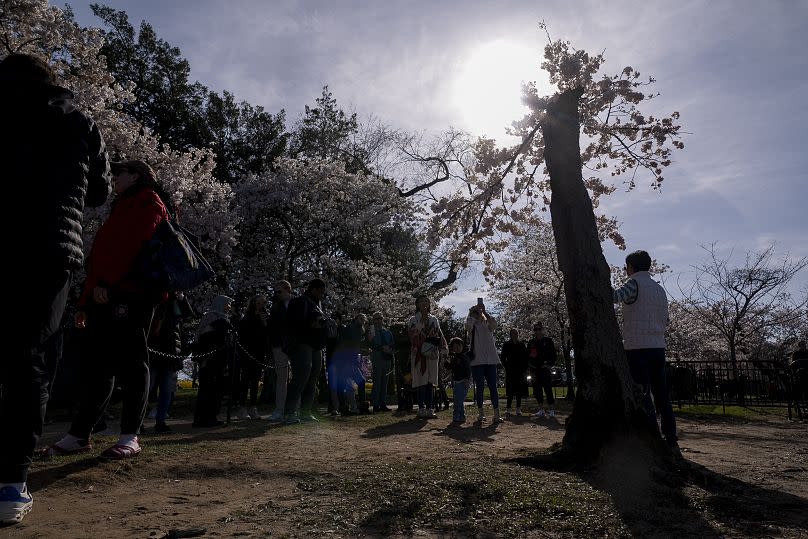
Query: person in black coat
{"points": [[514, 358], [213, 348], [254, 337], [541, 354], [54, 165]]}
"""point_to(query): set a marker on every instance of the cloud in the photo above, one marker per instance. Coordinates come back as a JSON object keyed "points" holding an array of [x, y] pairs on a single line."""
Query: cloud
{"points": [[734, 70]]}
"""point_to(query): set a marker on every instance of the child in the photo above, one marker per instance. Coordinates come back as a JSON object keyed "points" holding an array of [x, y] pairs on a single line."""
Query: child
{"points": [[461, 372]]}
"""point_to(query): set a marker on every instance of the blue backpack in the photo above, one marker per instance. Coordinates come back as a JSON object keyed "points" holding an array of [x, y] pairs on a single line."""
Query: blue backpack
{"points": [[171, 259]]}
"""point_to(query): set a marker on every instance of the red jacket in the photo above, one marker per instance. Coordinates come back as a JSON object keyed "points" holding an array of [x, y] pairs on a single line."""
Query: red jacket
{"points": [[132, 222]]}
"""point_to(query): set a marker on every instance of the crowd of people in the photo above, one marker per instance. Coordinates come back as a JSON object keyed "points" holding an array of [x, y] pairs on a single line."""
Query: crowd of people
{"points": [[132, 332]]}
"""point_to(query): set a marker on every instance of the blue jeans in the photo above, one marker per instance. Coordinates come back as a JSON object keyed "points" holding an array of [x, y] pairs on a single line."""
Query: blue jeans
{"points": [[485, 374], [164, 380], [647, 367], [381, 376], [461, 387]]}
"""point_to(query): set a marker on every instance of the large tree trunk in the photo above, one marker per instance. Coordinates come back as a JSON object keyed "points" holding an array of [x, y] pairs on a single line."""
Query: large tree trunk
{"points": [[605, 405]]}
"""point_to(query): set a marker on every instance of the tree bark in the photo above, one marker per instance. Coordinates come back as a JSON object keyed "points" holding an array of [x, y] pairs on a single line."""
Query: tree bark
{"points": [[605, 405]]}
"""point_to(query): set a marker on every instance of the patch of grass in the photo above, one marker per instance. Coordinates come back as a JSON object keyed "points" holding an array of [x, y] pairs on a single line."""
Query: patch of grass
{"points": [[470, 499], [730, 412]]}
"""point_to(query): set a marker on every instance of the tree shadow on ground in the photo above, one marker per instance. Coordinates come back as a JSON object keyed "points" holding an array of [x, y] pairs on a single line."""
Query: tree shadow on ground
{"points": [[686, 499], [747, 509], [408, 426]]}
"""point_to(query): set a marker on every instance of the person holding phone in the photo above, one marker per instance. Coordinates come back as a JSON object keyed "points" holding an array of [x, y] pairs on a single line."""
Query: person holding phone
{"points": [[480, 327]]}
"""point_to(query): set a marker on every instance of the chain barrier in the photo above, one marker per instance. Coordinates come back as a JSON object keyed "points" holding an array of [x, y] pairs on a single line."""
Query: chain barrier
{"points": [[239, 346]]}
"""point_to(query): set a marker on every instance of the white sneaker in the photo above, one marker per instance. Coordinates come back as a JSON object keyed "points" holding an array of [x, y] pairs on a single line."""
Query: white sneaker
{"points": [[519, 412], [551, 413], [480, 415], [14, 504], [540, 413]]}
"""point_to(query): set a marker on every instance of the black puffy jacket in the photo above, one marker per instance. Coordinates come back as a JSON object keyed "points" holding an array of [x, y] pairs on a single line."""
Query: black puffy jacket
{"points": [[53, 163]]}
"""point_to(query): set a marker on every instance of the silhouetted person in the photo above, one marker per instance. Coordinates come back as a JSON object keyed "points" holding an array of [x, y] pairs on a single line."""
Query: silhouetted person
{"points": [[54, 165]]}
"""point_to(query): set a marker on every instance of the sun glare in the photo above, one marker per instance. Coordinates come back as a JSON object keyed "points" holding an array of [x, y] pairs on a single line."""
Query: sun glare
{"points": [[488, 87]]}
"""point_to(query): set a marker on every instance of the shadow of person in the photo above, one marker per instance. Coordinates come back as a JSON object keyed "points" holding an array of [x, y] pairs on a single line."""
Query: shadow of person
{"points": [[474, 433], [408, 426], [45, 475], [550, 423]]}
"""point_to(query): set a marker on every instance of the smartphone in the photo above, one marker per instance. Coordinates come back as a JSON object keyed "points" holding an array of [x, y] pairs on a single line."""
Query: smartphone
{"points": [[480, 302]]}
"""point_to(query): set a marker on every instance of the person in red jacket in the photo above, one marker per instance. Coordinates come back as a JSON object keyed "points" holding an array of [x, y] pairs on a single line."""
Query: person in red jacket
{"points": [[115, 310]]}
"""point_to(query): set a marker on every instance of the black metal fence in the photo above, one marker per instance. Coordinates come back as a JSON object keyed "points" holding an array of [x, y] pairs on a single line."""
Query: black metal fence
{"points": [[745, 383]]}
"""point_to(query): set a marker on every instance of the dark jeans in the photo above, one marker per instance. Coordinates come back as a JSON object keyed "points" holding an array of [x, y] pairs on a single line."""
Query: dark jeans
{"points": [[115, 354], [25, 375], [306, 363], [163, 384], [381, 377], [460, 390], [647, 367], [425, 395], [249, 376], [518, 401], [485, 374], [211, 389], [543, 381]]}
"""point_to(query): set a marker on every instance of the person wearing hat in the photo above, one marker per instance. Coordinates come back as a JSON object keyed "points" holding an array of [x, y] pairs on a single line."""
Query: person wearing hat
{"points": [[54, 165], [115, 311], [541, 355]]}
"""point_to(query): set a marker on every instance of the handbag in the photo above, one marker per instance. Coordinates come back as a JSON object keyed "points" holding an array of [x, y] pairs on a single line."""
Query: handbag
{"points": [[172, 260]]}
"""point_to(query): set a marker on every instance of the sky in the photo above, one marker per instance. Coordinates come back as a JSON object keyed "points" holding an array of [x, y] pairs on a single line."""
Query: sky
{"points": [[736, 71]]}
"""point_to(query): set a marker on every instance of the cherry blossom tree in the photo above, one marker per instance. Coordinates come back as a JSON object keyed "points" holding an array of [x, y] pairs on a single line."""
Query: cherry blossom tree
{"points": [[37, 28], [312, 218], [508, 185], [528, 287]]}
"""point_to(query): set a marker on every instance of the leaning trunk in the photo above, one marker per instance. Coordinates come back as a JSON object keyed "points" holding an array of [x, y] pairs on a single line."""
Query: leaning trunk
{"points": [[605, 405]]}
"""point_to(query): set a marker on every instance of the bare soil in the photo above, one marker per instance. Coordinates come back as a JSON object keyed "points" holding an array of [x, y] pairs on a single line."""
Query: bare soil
{"points": [[394, 475]]}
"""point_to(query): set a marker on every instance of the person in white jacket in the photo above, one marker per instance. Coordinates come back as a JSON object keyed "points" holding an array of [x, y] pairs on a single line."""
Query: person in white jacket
{"points": [[645, 317], [480, 327]]}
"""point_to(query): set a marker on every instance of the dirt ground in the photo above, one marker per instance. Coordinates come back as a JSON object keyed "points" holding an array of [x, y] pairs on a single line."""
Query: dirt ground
{"points": [[394, 475]]}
